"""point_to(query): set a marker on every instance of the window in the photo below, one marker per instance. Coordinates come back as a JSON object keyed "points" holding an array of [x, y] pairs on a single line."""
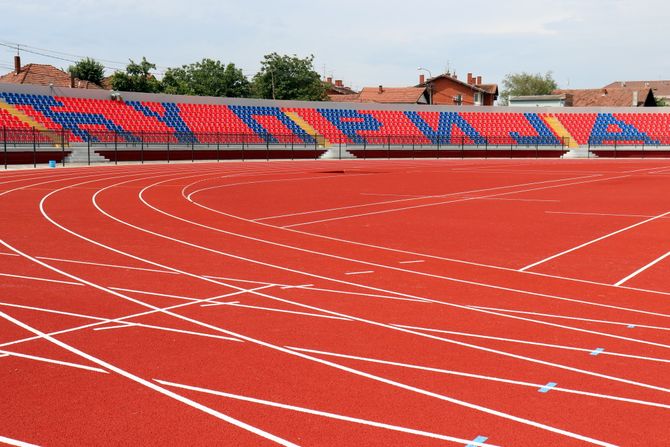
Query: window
{"points": [[478, 98]]}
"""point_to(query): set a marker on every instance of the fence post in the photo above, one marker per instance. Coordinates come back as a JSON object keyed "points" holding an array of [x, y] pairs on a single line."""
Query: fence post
{"points": [[365, 149], [142, 147], [62, 146], [462, 148], [339, 151], [388, 153], [88, 151], [615, 154], [193, 149], [438, 147], [34, 148], [116, 148], [167, 135], [4, 142], [243, 137], [218, 146], [413, 141], [486, 149]]}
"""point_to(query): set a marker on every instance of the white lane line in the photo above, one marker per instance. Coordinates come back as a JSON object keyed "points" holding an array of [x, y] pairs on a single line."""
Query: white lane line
{"points": [[272, 309], [15, 442], [457, 193], [167, 329], [125, 267], [575, 213], [116, 326], [41, 309], [419, 196], [56, 362], [146, 292], [364, 272], [149, 384], [247, 281], [322, 413], [371, 295], [641, 269], [269, 345], [586, 244], [481, 377], [510, 200], [566, 317], [418, 261], [457, 200], [300, 286], [532, 343], [35, 278], [7, 254]]}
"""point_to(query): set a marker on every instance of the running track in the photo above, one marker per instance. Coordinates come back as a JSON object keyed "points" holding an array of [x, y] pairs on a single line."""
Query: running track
{"points": [[422, 303]]}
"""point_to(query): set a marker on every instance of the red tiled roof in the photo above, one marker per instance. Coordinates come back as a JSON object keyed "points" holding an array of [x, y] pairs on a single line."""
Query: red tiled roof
{"points": [[660, 88], [606, 97], [491, 89], [40, 74], [355, 97], [393, 95]]}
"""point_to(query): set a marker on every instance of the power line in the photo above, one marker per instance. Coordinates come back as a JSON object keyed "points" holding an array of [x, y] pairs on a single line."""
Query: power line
{"points": [[22, 47]]}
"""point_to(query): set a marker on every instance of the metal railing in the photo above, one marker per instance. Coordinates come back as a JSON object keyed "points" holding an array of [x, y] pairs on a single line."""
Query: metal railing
{"points": [[36, 146]]}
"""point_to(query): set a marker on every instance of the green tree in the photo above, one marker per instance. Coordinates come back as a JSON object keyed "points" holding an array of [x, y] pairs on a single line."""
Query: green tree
{"points": [[207, 78], [524, 84], [137, 78], [88, 70], [288, 77]]}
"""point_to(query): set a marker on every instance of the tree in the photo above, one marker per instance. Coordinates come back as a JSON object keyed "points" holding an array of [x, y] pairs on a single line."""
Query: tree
{"points": [[288, 77], [207, 78], [137, 78], [524, 84], [88, 70]]}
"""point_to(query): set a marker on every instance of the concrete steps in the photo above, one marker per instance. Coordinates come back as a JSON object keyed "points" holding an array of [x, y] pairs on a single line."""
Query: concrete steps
{"points": [[79, 154]]}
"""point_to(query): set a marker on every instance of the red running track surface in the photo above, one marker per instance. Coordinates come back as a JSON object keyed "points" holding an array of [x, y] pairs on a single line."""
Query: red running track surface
{"points": [[464, 303]]}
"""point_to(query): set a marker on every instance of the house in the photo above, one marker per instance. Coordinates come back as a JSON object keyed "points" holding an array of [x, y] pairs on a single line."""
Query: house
{"points": [[611, 97], [661, 89], [386, 95], [447, 89], [560, 100], [40, 74], [337, 89]]}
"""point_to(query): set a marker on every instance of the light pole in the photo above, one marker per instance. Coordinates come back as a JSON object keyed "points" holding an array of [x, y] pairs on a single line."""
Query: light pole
{"points": [[430, 86]]}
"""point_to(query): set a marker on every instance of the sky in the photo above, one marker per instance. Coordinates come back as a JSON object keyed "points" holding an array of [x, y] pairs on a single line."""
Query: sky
{"points": [[584, 43]]}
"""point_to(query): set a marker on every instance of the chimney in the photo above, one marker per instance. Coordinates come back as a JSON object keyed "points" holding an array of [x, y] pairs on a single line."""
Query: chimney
{"points": [[338, 83], [471, 79], [71, 80], [635, 98], [623, 84], [604, 92], [479, 80], [329, 80], [422, 79], [381, 89], [17, 64]]}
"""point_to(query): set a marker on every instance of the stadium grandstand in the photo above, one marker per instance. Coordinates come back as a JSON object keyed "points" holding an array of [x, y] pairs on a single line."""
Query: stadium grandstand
{"points": [[53, 122]]}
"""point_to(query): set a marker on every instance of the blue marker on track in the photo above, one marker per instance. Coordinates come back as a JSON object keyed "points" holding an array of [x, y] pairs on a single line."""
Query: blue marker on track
{"points": [[547, 387], [597, 351], [479, 438]]}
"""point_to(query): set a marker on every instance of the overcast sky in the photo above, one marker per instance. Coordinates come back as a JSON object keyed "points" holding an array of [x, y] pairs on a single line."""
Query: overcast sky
{"points": [[585, 43]]}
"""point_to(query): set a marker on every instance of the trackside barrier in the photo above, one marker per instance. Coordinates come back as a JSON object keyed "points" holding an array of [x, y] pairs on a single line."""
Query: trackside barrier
{"points": [[32, 146]]}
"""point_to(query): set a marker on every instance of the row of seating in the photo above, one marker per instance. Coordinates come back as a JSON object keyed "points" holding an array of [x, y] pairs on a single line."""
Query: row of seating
{"points": [[89, 119]]}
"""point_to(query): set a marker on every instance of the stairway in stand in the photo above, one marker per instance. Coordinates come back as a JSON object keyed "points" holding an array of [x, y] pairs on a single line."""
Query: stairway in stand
{"points": [[79, 154]]}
